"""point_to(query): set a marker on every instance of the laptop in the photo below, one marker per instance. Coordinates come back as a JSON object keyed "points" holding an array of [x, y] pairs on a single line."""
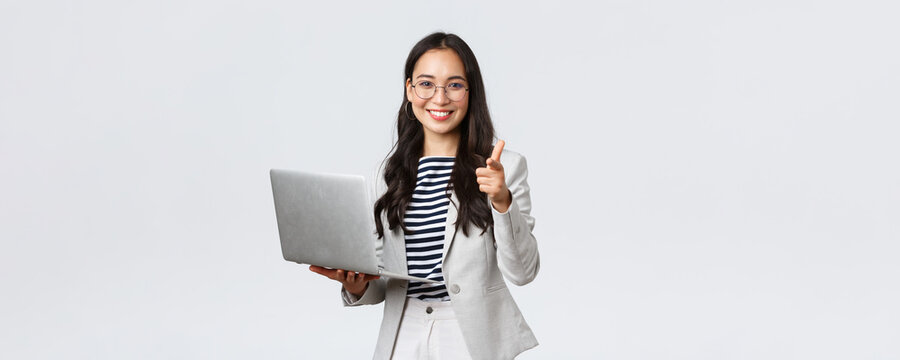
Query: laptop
{"points": [[326, 220]]}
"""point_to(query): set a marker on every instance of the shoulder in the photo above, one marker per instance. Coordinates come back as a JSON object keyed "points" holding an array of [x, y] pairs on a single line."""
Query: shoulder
{"points": [[509, 154], [513, 162], [514, 166]]}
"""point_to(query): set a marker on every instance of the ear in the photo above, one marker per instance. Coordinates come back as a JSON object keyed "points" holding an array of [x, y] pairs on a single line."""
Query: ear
{"points": [[409, 90]]}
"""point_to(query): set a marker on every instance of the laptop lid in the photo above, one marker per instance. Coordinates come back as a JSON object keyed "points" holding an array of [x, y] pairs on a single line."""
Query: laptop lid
{"points": [[325, 220]]}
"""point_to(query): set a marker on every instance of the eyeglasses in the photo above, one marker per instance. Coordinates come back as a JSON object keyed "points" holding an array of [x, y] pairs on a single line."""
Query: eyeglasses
{"points": [[426, 89]]}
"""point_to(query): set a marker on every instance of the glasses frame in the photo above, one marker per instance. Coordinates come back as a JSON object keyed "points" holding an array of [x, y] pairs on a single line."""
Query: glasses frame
{"points": [[413, 85]]}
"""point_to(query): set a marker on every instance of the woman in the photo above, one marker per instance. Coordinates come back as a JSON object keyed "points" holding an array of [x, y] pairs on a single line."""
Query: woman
{"points": [[454, 213]]}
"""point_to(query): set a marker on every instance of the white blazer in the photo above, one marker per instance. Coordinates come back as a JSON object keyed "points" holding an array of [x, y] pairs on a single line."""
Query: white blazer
{"points": [[474, 269]]}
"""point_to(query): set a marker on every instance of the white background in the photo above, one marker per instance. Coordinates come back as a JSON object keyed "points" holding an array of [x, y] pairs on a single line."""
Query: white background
{"points": [[710, 179]]}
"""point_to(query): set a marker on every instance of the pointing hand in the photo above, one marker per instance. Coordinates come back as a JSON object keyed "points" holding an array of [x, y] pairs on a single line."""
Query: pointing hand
{"points": [[492, 180]]}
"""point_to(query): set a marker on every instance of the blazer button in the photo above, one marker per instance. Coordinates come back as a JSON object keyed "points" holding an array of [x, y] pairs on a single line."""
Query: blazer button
{"points": [[455, 289], [429, 310]]}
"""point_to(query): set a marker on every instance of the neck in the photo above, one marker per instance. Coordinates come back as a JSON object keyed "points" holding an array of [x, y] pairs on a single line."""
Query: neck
{"points": [[440, 144]]}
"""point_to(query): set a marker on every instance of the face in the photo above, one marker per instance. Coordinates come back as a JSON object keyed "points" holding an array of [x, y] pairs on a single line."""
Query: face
{"points": [[443, 70]]}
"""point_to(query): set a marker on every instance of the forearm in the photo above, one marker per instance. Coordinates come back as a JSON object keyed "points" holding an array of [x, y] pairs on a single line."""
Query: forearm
{"points": [[517, 251]]}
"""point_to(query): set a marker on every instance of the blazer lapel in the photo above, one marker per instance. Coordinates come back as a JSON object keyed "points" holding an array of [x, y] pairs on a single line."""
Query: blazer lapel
{"points": [[450, 230]]}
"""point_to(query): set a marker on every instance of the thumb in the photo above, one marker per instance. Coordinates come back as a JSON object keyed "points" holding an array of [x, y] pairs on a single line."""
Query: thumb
{"points": [[496, 165]]}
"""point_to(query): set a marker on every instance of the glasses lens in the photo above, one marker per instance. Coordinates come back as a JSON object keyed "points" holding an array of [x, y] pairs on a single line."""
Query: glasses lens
{"points": [[455, 93], [425, 89]]}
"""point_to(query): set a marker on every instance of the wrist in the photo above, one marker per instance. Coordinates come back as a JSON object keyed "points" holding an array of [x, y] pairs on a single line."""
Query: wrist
{"points": [[502, 204], [357, 292]]}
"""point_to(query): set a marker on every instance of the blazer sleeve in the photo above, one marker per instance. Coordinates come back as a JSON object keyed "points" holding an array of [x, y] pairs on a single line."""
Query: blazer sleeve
{"points": [[517, 251], [374, 294]]}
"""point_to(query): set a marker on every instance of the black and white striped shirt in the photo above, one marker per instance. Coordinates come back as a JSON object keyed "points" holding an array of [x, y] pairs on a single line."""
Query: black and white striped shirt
{"points": [[426, 218]]}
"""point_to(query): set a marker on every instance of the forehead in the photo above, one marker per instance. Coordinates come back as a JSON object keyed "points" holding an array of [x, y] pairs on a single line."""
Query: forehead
{"points": [[440, 63]]}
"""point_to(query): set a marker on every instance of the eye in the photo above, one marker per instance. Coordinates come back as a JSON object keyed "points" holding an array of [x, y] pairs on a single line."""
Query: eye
{"points": [[425, 84], [456, 86]]}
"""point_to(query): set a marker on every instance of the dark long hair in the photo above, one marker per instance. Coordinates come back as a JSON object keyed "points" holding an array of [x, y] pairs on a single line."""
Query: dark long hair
{"points": [[475, 143]]}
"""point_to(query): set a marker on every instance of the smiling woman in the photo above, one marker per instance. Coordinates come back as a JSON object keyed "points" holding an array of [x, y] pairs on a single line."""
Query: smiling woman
{"points": [[443, 175]]}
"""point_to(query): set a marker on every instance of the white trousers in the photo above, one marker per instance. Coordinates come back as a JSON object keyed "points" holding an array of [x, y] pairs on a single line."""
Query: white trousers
{"points": [[429, 331]]}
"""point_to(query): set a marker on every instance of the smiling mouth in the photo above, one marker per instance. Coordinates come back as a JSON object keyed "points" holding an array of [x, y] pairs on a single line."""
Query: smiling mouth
{"points": [[439, 113]]}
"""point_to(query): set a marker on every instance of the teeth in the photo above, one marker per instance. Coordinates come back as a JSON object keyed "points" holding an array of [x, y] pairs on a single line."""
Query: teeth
{"points": [[439, 113]]}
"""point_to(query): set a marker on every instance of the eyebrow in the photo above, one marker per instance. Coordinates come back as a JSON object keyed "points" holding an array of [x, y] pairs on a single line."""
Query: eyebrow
{"points": [[449, 78]]}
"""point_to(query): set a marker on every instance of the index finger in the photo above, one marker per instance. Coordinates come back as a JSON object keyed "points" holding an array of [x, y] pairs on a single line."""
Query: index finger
{"points": [[498, 149]]}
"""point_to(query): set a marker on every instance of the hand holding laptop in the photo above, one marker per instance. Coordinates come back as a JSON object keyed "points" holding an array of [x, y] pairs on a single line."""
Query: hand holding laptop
{"points": [[354, 282]]}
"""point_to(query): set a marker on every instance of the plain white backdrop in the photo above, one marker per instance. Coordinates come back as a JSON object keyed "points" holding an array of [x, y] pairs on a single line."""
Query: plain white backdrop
{"points": [[711, 180]]}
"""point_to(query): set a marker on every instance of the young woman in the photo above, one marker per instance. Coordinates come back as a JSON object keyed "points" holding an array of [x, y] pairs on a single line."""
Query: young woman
{"points": [[456, 209]]}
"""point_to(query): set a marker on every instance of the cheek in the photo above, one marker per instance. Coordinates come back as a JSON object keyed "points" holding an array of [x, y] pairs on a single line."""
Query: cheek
{"points": [[418, 104], [463, 113], [418, 107]]}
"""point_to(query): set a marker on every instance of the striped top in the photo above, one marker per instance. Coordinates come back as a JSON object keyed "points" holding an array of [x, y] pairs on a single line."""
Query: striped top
{"points": [[426, 218]]}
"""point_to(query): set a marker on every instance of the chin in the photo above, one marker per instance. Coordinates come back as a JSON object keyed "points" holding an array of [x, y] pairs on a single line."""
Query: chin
{"points": [[445, 128]]}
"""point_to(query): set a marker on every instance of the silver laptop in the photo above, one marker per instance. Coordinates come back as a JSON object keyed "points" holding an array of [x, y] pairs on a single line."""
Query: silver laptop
{"points": [[327, 220]]}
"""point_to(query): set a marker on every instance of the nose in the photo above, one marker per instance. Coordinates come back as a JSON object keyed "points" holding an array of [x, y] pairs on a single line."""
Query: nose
{"points": [[440, 96]]}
